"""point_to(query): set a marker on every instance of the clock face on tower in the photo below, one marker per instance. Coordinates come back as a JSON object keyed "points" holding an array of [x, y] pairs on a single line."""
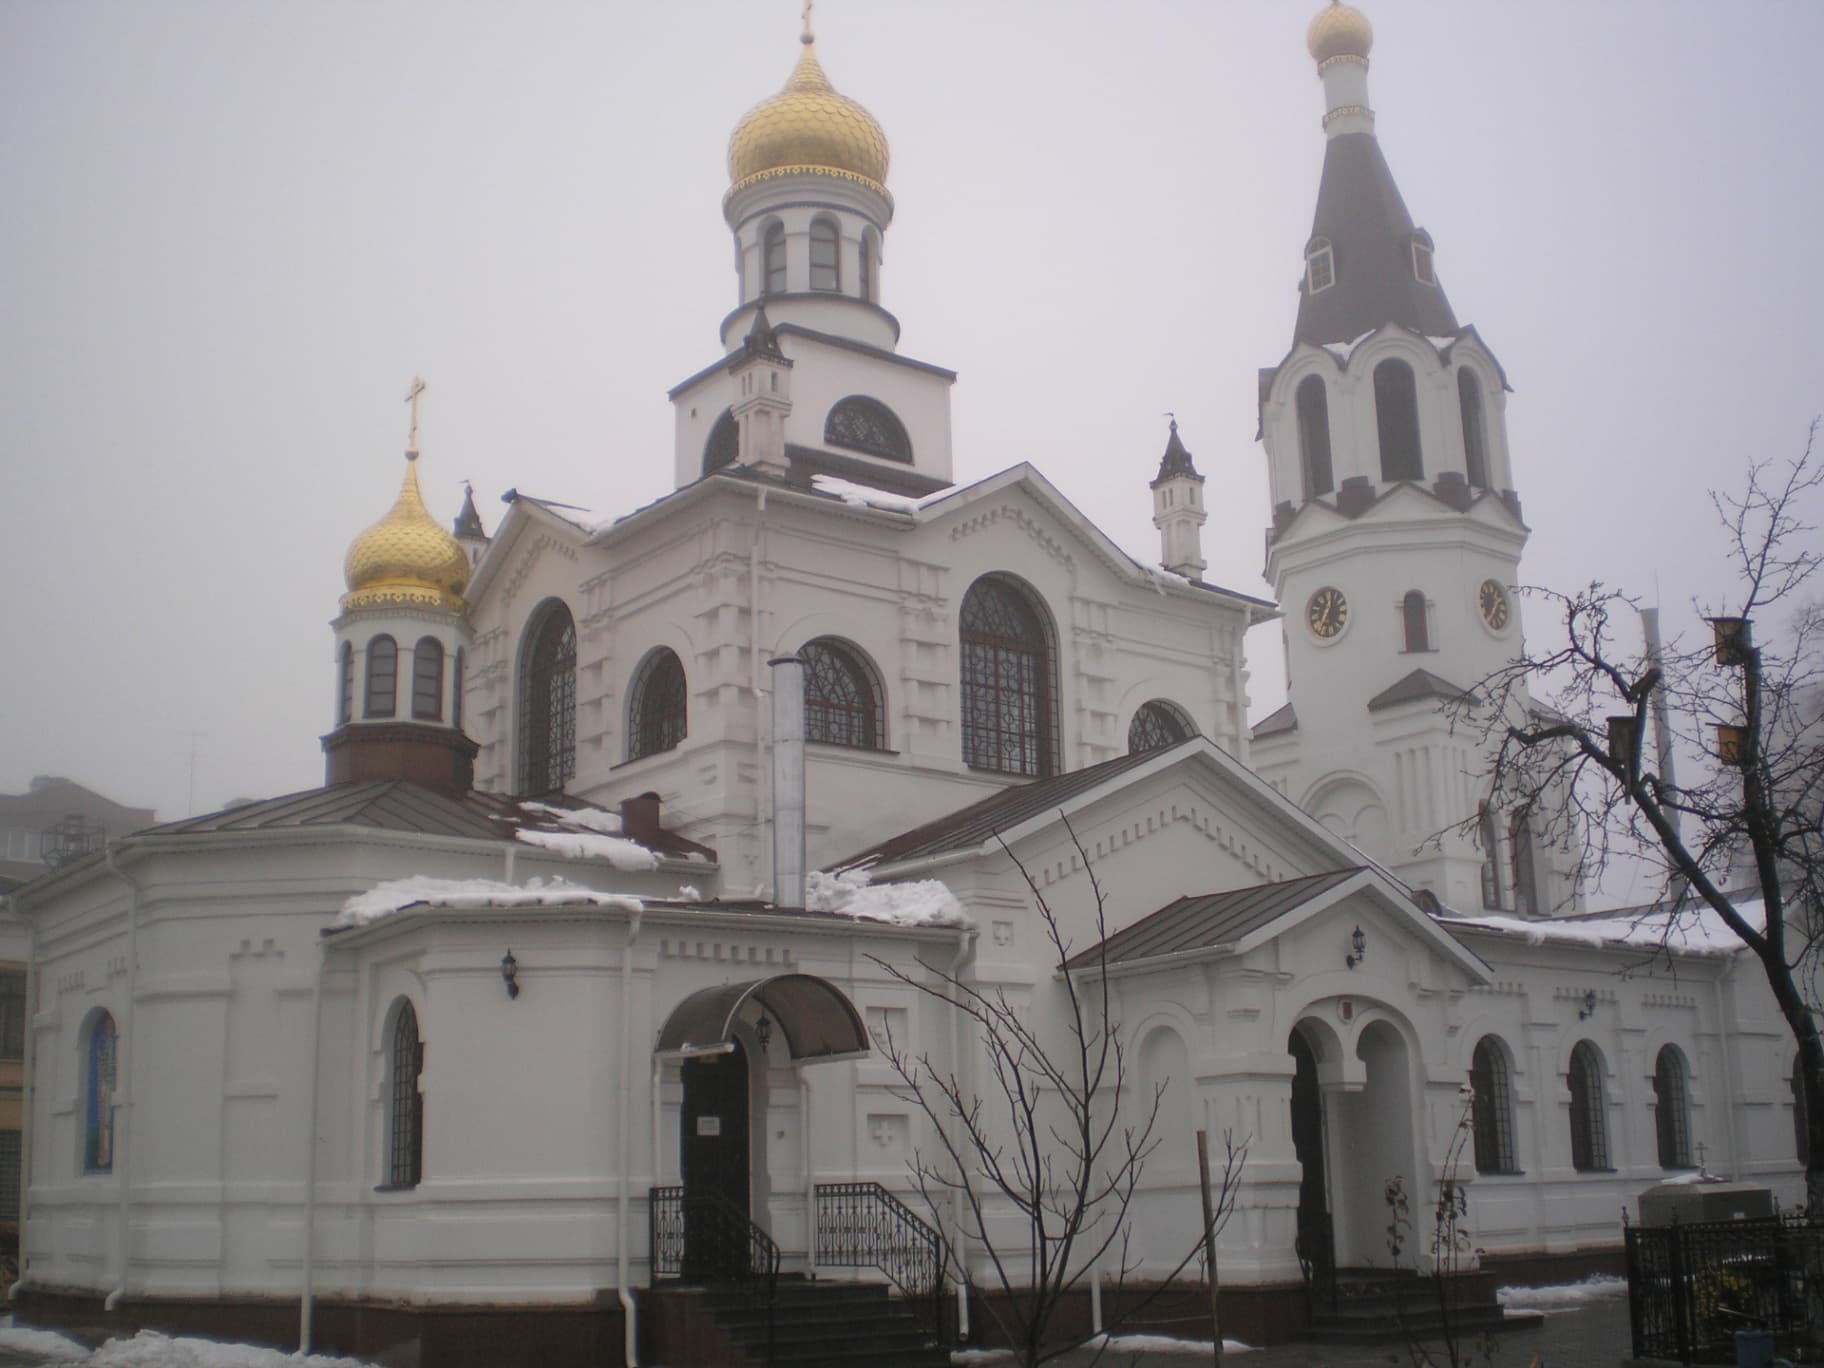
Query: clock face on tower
{"points": [[1327, 612], [1492, 600]]}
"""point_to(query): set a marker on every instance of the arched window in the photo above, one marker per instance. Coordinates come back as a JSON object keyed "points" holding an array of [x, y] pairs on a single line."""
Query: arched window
{"points": [[1314, 436], [826, 265], [1492, 1107], [547, 700], [382, 677], [658, 708], [1475, 430], [1589, 1120], [1526, 864], [427, 680], [1396, 414], [1422, 270], [1157, 724], [772, 270], [842, 704], [345, 689], [1412, 620], [1672, 1108], [724, 443], [1009, 681], [1320, 265], [870, 247], [1490, 834], [405, 1113], [456, 690], [863, 424], [1801, 1123], [98, 1095]]}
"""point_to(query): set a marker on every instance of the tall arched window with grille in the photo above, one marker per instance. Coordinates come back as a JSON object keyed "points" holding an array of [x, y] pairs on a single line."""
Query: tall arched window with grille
{"points": [[1492, 1107], [724, 443], [1672, 1108], [658, 707], [1589, 1119], [1009, 680], [842, 696], [405, 1109], [427, 680], [345, 686], [772, 269], [1314, 437], [382, 677], [456, 690], [1413, 623], [547, 700], [863, 424], [1158, 723], [1475, 429], [1396, 417], [826, 259], [99, 1078]]}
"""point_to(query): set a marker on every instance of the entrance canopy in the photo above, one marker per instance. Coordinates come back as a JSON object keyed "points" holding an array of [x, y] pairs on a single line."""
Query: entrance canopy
{"points": [[817, 1020]]}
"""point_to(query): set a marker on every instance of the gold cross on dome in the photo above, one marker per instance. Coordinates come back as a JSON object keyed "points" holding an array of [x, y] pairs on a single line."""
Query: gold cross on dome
{"points": [[411, 397], [808, 35]]}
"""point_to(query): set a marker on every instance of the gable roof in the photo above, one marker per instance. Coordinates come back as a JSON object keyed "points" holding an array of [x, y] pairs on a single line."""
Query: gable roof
{"points": [[1416, 687], [1204, 920]]}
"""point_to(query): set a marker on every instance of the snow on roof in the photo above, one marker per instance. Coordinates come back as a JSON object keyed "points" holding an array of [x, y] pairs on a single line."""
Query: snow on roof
{"points": [[866, 496], [420, 890], [618, 851], [582, 819], [1689, 930], [920, 902]]}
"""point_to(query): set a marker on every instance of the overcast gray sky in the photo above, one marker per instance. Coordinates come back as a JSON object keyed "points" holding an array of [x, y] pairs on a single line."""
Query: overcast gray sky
{"points": [[231, 233]]}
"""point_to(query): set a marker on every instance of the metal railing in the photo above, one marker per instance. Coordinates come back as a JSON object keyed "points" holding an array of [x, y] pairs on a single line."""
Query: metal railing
{"points": [[709, 1239], [1691, 1287], [862, 1225]]}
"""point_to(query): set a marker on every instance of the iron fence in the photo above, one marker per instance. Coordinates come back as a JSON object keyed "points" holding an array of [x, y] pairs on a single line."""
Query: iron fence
{"points": [[862, 1225], [1691, 1287]]}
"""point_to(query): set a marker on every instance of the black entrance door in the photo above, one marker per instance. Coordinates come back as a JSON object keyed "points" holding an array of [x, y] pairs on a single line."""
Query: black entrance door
{"points": [[1316, 1240], [715, 1160]]}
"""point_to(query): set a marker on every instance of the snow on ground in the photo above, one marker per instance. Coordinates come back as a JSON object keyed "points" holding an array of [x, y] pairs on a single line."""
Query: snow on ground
{"points": [[1565, 1297], [148, 1349], [44, 1344], [384, 899], [1119, 1344], [923, 902], [618, 851], [1693, 930]]}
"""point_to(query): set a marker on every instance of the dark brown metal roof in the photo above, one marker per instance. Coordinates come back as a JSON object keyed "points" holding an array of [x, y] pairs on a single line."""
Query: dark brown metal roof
{"points": [[1415, 688], [970, 827], [1207, 919]]}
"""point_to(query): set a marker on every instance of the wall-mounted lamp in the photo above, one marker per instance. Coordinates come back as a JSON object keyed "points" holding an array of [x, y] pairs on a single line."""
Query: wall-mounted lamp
{"points": [[763, 1031], [509, 974], [1359, 950], [1588, 1010]]}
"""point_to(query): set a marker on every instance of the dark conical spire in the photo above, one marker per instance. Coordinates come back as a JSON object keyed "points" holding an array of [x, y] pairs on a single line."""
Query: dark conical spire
{"points": [[1176, 461], [761, 340], [468, 521]]}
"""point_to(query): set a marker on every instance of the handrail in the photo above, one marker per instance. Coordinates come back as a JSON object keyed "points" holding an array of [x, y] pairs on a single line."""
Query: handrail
{"points": [[709, 1238], [862, 1225]]}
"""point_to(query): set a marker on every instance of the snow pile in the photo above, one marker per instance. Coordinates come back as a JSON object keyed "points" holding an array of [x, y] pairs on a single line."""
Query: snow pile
{"points": [[689, 893], [1160, 576], [1566, 1297], [866, 496], [577, 819], [1691, 931], [1163, 1344], [618, 851], [149, 1349], [924, 902], [384, 899], [43, 1344]]}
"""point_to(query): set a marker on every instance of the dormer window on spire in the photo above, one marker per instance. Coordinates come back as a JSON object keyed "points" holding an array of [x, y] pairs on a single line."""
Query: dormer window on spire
{"points": [[1320, 265], [1421, 258]]}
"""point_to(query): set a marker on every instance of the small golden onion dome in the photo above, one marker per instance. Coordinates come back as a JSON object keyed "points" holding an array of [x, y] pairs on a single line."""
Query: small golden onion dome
{"points": [[1339, 31], [406, 559], [808, 127]]}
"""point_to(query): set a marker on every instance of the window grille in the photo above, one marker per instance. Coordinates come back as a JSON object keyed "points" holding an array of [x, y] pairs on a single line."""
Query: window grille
{"points": [[1157, 724], [427, 680], [863, 424], [842, 702], [1396, 415], [1672, 1109], [1492, 1108], [1009, 672], [724, 443], [1314, 436], [659, 717], [547, 738], [1320, 266], [1475, 430], [405, 1148], [1589, 1123], [382, 677]]}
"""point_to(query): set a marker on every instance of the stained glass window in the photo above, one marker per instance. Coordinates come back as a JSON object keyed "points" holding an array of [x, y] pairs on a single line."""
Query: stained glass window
{"points": [[1009, 668], [1157, 724], [1589, 1124], [382, 677], [842, 704], [405, 1147], [863, 424], [1492, 1108], [658, 714], [427, 680], [98, 1098], [547, 708]]}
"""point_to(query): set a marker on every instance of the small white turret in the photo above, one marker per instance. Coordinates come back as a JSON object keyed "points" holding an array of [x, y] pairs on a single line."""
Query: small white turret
{"points": [[1178, 510], [763, 398]]}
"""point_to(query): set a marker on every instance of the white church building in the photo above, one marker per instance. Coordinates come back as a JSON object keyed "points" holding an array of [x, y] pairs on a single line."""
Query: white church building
{"points": [[420, 1056]]}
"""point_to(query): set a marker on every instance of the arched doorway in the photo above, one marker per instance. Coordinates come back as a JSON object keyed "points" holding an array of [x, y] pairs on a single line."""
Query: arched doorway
{"points": [[1374, 1141], [714, 1159], [1316, 1242]]}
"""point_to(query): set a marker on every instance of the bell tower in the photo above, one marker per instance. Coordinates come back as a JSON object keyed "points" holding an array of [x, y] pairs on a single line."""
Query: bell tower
{"points": [[1396, 532]]}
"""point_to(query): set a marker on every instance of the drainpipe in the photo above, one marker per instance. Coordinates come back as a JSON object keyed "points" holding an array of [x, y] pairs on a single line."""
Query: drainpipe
{"points": [[963, 940], [123, 1073], [307, 1292], [512, 853], [806, 1159], [788, 781], [763, 815], [629, 1311], [25, 1094]]}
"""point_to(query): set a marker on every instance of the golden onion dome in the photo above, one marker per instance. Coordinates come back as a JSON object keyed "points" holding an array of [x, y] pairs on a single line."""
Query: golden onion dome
{"points": [[1339, 31], [808, 127], [406, 559]]}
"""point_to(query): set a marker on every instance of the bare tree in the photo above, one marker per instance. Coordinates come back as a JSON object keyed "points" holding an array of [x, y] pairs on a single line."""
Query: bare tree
{"points": [[1056, 1142], [1741, 835]]}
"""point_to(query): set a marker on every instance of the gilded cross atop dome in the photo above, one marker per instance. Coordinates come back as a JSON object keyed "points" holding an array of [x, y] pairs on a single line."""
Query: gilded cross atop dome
{"points": [[406, 559], [808, 128]]}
